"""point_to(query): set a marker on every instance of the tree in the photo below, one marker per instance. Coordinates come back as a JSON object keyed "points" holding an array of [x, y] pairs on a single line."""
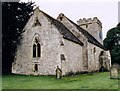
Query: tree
{"points": [[112, 43], [14, 17]]}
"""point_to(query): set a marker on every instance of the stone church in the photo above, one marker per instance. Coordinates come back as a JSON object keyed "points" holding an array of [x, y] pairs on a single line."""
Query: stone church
{"points": [[48, 43]]}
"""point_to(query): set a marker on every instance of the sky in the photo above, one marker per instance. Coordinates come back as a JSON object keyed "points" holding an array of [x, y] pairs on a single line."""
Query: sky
{"points": [[105, 10]]}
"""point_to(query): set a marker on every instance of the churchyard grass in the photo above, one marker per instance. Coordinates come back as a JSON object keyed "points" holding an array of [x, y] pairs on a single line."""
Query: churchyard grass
{"points": [[0, 82], [82, 81]]}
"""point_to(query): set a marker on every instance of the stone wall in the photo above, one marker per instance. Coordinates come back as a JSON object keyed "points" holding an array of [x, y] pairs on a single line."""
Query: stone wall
{"points": [[90, 52], [49, 38], [93, 57], [63, 19], [98, 58], [74, 59]]}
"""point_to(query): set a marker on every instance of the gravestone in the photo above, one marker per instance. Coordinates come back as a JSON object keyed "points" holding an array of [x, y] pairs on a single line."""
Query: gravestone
{"points": [[114, 71], [58, 73]]}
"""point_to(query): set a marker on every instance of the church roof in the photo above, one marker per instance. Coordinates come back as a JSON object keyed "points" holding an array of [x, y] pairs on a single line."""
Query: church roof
{"points": [[90, 38], [67, 34], [63, 30]]}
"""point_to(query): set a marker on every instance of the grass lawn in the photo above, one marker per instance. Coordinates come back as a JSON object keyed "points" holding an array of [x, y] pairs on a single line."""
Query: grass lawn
{"points": [[82, 81], [0, 82]]}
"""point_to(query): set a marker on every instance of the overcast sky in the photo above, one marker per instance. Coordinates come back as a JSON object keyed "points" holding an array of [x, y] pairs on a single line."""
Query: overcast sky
{"points": [[105, 10]]}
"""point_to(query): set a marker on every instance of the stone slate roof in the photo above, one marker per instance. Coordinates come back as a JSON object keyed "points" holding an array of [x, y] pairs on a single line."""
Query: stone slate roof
{"points": [[90, 38], [67, 34], [63, 30]]}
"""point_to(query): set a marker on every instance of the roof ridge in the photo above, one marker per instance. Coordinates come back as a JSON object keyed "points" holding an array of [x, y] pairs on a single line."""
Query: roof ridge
{"points": [[67, 34], [87, 34]]}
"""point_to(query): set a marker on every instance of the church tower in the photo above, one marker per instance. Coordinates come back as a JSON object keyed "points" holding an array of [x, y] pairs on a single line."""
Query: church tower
{"points": [[93, 26]]}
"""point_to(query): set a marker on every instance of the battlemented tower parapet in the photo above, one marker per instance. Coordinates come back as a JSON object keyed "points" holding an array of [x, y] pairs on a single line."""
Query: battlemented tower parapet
{"points": [[85, 21], [93, 26]]}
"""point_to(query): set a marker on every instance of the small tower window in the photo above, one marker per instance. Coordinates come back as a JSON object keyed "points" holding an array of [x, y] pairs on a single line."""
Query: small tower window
{"points": [[60, 18]]}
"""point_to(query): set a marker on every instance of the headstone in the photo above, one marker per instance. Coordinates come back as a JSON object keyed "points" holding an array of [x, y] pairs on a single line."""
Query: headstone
{"points": [[114, 71], [58, 73]]}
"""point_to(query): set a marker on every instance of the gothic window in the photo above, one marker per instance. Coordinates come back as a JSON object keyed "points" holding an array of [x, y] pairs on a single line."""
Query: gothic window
{"points": [[36, 48], [34, 51], [36, 67]]}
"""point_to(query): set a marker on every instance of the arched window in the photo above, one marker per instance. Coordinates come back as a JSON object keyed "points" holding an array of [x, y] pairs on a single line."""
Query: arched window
{"points": [[36, 67], [36, 48], [34, 51]]}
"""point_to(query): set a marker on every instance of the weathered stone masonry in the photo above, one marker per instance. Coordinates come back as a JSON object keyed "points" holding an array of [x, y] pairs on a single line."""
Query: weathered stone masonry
{"points": [[48, 43]]}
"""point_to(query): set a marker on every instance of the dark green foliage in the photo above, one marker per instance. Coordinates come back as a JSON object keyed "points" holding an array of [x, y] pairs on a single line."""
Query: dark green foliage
{"points": [[14, 17], [112, 43]]}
